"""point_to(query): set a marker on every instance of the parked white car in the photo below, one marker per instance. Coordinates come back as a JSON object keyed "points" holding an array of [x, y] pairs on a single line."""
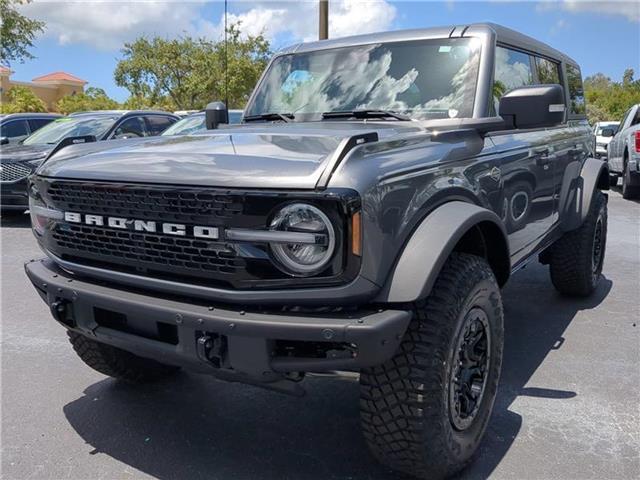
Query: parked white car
{"points": [[624, 153], [604, 132]]}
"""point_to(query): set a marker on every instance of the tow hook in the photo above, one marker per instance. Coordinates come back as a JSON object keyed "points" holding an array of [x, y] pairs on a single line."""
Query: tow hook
{"points": [[62, 313], [211, 349]]}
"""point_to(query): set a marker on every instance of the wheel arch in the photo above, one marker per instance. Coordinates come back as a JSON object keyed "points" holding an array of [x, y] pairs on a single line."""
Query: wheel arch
{"points": [[454, 226], [594, 175]]}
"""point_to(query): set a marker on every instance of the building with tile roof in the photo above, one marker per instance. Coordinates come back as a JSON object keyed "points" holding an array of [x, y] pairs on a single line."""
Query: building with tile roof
{"points": [[49, 88]]}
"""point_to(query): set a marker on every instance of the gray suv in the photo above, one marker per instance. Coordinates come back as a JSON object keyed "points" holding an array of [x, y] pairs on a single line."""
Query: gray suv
{"points": [[364, 217]]}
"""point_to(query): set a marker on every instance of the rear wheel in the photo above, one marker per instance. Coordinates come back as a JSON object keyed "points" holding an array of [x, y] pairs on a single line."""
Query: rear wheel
{"points": [[576, 259], [613, 179], [118, 363], [424, 411]]}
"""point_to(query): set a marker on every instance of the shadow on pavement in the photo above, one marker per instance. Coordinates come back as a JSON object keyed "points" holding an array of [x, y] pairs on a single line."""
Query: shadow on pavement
{"points": [[618, 188], [197, 427]]}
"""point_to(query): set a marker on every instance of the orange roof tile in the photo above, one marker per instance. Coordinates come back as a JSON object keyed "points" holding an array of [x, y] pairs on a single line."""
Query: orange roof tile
{"points": [[4, 69], [59, 76]]}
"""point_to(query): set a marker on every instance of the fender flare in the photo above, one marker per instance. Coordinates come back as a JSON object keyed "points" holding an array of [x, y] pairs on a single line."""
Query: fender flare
{"points": [[575, 205], [428, 248]]}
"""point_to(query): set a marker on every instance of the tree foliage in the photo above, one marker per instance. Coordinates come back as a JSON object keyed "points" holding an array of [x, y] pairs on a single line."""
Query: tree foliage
{"points": [[187, 73], [92, 99], [22, 99], [608, 100], [17, 32]]}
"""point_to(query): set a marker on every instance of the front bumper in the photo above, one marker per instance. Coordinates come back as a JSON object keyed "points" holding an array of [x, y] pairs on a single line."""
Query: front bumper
{"points": [[176, 331]]}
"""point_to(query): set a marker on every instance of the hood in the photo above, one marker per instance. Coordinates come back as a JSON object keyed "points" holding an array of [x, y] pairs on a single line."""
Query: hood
{"points": [[265, 156], [21, 153]]}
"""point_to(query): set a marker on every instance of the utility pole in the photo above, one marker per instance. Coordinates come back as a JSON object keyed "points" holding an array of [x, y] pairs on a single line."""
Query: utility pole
{"points": [[323, 30]]}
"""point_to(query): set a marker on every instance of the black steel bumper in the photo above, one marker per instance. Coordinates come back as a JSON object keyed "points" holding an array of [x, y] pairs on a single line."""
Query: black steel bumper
{"points": [[183, 333]]}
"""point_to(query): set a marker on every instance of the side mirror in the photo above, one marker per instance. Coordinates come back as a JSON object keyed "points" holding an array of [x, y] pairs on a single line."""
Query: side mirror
{"points": [[4, 140], [607, 132], [535, 106], [71, 141], [215, 114]]}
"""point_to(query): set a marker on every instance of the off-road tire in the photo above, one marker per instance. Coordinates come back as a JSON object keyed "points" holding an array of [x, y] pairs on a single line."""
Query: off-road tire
{"points": [[571, 262], [404, 403], [118, 363], [629, 192]]}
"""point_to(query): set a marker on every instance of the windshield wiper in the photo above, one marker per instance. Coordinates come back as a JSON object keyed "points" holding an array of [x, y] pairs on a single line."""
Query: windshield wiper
{"points": [[366, 114], [285, 117]]}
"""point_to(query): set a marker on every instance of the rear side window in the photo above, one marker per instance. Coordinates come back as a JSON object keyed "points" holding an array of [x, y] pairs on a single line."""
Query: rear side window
{"points": [[576, 93], [14, 129], [158, 124], [547, 71], [37, 123], [512, 70]]}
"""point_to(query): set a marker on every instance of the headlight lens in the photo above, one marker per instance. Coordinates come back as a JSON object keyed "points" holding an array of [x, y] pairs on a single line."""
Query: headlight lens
{"points": [[310, 256]]}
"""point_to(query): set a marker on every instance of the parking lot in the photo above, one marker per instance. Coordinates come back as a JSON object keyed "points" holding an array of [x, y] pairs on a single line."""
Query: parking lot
{"points": [[567, 405]]}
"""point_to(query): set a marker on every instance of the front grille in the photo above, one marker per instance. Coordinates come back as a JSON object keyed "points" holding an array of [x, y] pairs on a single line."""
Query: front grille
{"points": [[12, 172], [202, 261]]}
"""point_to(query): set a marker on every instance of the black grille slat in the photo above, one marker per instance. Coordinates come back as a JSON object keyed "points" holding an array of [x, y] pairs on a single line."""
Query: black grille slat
{"points": [[145, 204]]}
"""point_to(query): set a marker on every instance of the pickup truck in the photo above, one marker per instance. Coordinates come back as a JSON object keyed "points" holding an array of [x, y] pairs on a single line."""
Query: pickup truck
{"points": [[623, 153]]}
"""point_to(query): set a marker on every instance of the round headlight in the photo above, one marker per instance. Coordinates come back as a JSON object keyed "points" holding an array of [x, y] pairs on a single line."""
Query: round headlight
{"points": [[311, 242]]}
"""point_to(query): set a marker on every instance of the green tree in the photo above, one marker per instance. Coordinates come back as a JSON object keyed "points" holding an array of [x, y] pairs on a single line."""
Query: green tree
{"points": [[17, 32], [22, 99], [188, 73], [92, 99], [608, 100]]}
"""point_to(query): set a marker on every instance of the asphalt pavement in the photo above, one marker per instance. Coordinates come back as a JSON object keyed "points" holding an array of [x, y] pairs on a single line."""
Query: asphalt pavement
{"points": [[568, 406]]}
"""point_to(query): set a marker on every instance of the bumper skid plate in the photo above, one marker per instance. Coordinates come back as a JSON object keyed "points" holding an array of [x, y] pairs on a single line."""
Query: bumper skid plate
{"points": [[230, 343]]}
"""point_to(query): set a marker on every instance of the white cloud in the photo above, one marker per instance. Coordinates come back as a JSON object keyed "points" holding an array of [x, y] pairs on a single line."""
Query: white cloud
{"points": [[107, 25], [628, 9]]}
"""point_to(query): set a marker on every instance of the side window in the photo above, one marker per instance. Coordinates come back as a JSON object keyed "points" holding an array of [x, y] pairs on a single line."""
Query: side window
{"points": [[131, 127], [14, 129], [576, 93], [158, 124], [636, 118], [547, 71], [37, 123], [512, 70]]}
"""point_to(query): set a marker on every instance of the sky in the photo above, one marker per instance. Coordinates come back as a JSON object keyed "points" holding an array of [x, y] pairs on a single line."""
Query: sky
{"points": [[84, 38]]}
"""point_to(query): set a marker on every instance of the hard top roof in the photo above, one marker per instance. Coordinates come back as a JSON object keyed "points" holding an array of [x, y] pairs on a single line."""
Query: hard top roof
{"points": [[504, 35], [28, 115]]}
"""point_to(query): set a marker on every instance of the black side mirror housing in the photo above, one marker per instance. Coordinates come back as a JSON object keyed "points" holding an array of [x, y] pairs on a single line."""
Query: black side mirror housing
{"points": [[534, 106], [608, 132], [71, 141], [215, 114], [4, 140]]}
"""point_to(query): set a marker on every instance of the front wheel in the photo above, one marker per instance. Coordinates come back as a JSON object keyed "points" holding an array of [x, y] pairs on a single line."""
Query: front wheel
{"points": [[424, 412]]}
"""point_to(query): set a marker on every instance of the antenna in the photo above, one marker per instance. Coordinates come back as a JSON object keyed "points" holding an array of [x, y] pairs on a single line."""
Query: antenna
{"points": [[226, 59]]}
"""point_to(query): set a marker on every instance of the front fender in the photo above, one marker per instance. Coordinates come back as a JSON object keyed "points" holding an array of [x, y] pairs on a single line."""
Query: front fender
{"points": [[431, 244]]}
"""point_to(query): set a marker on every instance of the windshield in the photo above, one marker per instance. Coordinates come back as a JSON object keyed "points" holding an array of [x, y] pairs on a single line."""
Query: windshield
{"points": [[62, 128], [190, 124], [611, 127], [420, 78]]}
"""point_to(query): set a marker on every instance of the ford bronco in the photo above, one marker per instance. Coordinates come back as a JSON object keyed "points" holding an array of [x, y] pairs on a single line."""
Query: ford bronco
{"points": [[364, 217]]}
